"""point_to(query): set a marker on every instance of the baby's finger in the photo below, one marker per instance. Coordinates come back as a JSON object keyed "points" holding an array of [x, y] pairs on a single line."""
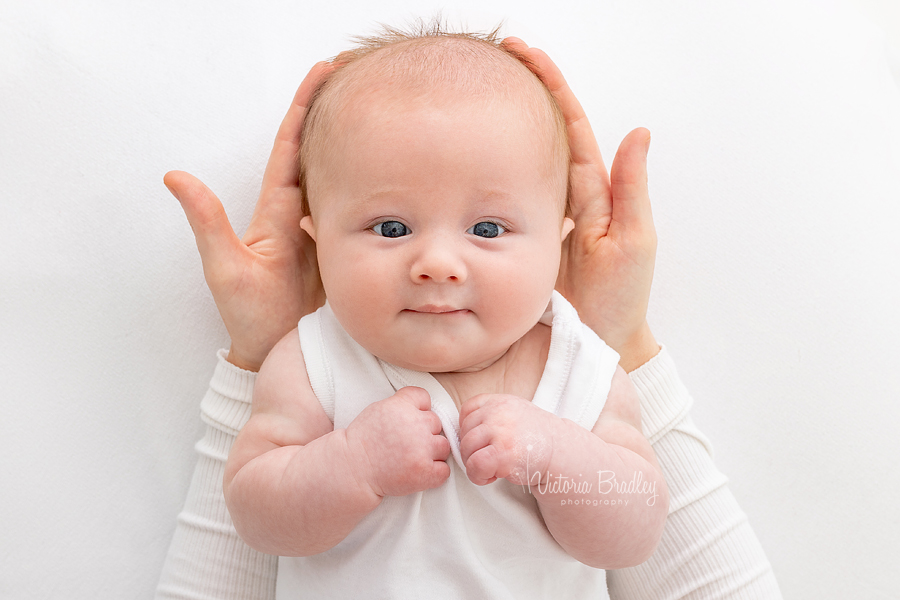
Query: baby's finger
{"points": [[416, 396], [481, 467], [440, 447], [474, 440], [440, 471], [435, 422], [215, 238], [471, 406]]}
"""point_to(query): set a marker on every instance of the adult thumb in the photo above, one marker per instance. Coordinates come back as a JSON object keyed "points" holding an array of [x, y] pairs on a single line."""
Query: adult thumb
{"points": [[628, 182], [206, 215]]}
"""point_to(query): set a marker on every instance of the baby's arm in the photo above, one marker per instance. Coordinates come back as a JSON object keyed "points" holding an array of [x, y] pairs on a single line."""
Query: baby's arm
{"points": [[295, 486], [599, 525], [614, 451], [288, 469]]}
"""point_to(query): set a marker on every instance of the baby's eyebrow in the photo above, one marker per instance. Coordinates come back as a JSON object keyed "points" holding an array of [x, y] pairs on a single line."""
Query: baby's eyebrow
{"points": [[490, 196], [497, 196], [500, 201], [488, 202], [385, 193], [363, 202]]}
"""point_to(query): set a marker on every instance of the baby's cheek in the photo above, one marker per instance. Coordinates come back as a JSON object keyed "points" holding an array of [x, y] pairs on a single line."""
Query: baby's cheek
{"points": [[518, 298]]}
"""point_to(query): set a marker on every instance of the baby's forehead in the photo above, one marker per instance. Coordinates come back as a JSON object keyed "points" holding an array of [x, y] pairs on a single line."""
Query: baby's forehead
{"points": [[440, 69], [467, 75]]}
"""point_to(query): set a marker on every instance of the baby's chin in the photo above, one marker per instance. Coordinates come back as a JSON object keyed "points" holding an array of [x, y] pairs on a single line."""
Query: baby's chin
{"points": [[442, 364]]}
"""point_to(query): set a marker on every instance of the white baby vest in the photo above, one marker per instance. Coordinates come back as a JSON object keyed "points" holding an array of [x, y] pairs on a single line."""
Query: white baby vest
{"points": [[459, 540]]}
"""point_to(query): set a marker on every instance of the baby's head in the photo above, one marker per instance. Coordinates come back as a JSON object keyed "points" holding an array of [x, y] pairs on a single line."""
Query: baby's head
{"points": [[434, 168]]}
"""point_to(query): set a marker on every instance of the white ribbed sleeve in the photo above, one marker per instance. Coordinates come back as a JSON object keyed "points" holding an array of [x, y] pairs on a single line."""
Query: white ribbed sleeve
{"points": [[708, 549], [207, 560]]}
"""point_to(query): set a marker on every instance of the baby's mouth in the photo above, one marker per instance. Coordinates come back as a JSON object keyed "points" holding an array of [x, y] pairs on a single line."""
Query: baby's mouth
{"points": [[437, 309]]}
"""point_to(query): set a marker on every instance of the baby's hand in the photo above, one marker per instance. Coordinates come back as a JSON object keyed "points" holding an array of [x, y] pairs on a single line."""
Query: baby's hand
{"points": [[504, 436], [396, 444]]}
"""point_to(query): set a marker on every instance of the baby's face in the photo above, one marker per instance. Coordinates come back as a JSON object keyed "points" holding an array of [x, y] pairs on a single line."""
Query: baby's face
{"points": [[438, 232]]}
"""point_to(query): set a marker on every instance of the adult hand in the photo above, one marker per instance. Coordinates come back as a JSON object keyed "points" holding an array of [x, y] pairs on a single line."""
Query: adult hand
{"points": [[607, 261], [262, 284]]}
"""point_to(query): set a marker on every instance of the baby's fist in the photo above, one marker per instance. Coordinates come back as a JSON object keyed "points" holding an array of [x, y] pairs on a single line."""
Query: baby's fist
{"points": [[396, 444], [504, 436]]}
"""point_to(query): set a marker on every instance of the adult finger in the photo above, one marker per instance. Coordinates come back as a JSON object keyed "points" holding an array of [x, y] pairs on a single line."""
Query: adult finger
{"points": [[582, 143], [628, 183], [215, 238], [278, 210], [281, 170], [588, 171]]}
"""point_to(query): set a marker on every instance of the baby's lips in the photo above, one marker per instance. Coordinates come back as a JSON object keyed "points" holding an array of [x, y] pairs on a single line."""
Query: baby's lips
{"points": [[435, 308]]}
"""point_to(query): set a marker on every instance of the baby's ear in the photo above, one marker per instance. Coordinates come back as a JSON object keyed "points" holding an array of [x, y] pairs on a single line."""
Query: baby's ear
{"points": [[306, 224], [567, 226]]}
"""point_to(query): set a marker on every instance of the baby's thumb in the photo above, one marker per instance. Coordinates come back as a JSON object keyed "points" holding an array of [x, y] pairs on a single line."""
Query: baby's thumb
{"points": [[205, 213], [416, 396]]}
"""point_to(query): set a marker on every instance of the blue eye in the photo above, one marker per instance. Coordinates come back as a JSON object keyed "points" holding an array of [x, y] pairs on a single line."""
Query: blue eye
{"points": [[486, 229], [391, 229]]}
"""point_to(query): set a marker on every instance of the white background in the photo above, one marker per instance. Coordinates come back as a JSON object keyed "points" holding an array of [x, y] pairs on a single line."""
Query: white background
{"points": [[775, 178]]}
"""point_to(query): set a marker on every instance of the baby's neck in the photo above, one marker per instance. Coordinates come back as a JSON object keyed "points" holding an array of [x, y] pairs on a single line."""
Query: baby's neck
{"points": [[517, 372]]}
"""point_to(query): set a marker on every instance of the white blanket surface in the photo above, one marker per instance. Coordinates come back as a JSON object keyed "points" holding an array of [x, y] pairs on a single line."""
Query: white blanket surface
{"points": [[775, 179]]}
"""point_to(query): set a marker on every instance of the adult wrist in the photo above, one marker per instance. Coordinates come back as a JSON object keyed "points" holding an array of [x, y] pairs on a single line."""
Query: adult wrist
{"points": [[227, 403], [638, 349], [240, 362], [665, 401]]}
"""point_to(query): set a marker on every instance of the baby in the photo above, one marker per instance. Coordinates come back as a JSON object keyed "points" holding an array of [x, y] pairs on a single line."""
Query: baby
{"points": [[445, 426]]}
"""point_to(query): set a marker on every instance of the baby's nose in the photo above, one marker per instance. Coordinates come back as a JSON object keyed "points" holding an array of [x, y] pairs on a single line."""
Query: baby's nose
{"points": [[438, 263]]}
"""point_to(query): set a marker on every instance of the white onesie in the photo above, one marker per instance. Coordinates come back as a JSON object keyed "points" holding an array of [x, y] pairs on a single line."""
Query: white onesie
{"points": [[459, 540]]}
